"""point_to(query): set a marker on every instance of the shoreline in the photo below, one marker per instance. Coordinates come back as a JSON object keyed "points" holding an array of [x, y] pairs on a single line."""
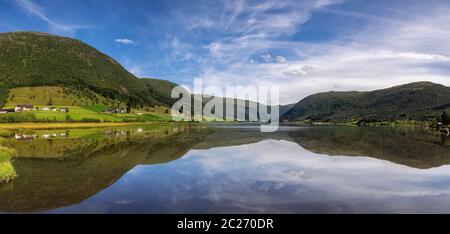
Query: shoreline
{"points": [[45, 126], [362, 124], [80, 125]]}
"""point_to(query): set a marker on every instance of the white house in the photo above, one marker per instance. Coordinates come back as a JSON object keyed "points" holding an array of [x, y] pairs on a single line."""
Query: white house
{"points": [[24, 107]]}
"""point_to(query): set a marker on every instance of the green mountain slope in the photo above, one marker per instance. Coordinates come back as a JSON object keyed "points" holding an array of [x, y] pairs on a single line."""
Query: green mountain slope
{"points": [[418, 101], [31, 59], [162, 89], [283, 109]]}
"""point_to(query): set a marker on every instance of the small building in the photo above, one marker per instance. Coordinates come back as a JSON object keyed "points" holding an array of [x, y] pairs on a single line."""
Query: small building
{"points": [[25, 137], [45, 108], [63, 109], [24, 107], [53, 109], [114, 111], [108, 111]]}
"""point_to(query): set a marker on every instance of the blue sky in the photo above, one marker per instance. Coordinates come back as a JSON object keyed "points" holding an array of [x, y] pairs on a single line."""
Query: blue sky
{"points": [[302, 46]]}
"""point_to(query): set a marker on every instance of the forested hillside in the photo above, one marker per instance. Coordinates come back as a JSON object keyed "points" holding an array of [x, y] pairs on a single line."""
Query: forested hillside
{"points": [[417, 101]]}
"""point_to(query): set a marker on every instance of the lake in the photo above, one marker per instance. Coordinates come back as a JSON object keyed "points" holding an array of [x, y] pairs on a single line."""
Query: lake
{"points": [[181, 168]]}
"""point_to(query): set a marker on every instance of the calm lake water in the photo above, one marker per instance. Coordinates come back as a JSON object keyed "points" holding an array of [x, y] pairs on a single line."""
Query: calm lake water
{"points": [[197, 169]]}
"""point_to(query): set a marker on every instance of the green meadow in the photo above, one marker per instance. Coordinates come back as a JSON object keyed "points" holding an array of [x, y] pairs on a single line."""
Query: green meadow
{"points": [[82, 114]]}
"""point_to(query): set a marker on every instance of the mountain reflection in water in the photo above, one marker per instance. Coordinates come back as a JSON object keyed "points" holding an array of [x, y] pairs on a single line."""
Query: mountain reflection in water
{"points": [[193, 169]]}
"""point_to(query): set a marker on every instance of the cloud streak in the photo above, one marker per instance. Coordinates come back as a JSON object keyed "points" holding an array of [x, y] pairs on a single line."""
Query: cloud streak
{"points": [[39, 12]]}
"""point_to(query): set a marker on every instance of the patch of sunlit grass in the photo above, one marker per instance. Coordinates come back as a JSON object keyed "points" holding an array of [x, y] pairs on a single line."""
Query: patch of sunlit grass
{"points": [[7, 172]]}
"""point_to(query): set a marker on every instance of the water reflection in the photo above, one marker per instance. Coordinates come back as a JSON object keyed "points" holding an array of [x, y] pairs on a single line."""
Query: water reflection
{"points": [[232, 170]]}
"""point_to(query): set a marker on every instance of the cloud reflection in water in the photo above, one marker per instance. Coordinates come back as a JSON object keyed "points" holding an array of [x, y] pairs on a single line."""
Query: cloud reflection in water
{"points": [[275, 176]]}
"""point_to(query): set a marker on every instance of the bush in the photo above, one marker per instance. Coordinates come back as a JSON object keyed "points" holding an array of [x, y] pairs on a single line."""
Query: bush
{"points": [[2, 141], [90, 120], [69, 119], [131, 120], [445, 118], [6, 153], [18, 118], [7, 172]]}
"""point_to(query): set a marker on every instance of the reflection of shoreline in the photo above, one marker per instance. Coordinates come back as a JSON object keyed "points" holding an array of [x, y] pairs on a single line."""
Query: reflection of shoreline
{"points": [[108, 133], [62, 144], [29, 137], [96, 162], [49, 184], [53, 126], [408, 147]]}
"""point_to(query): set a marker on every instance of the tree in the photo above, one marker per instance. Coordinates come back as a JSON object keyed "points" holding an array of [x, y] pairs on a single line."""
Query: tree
{"points": [[445, 117], [128, 107], [50, 102], [69, 119]]}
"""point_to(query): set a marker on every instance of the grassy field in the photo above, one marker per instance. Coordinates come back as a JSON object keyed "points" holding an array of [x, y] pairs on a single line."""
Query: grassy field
{"points": [[76, 113], [7, 172], [89, 113]]}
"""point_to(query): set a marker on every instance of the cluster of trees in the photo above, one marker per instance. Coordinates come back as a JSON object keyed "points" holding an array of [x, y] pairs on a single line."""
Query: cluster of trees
{"points": [[3, 96], [445, 118]]}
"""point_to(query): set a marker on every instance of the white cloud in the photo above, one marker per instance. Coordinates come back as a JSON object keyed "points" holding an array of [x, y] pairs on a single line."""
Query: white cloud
{"points": [[345, 70], [126, 41], [180, 50], [388, 52], [267, 58], [39, 12], [280, 59], [213, 48], [302, 71]]}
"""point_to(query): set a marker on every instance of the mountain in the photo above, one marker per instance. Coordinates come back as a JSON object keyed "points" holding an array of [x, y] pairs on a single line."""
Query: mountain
{"points": [[32, 59], [283, 109], [417, 101], [162, 89]]}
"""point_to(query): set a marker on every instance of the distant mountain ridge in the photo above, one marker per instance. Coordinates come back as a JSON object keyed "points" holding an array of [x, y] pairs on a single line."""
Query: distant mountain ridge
{"points": [[417, 101]]}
